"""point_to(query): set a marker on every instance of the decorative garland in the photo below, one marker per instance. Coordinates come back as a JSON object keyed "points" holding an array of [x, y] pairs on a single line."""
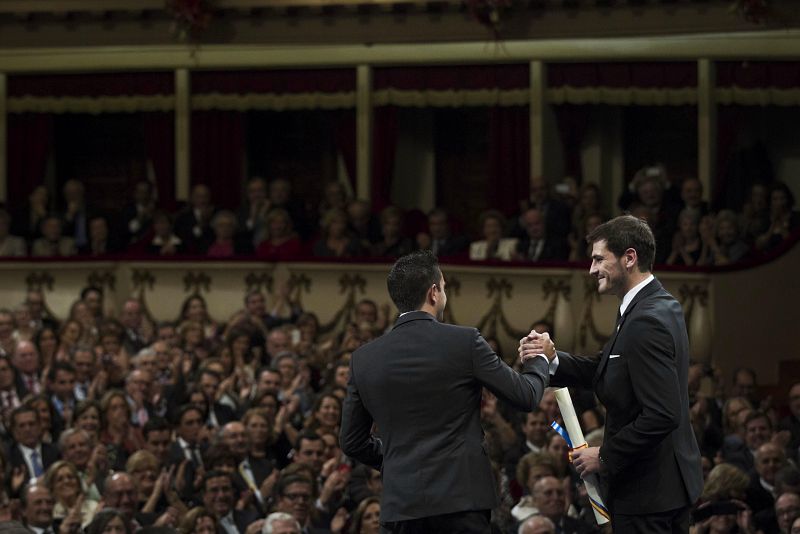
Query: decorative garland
{"points": [[190, 17]]}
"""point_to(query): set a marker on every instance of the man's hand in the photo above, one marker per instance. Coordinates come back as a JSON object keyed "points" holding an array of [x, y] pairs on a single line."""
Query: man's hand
{"points": [[535, 344], [587, 461]]}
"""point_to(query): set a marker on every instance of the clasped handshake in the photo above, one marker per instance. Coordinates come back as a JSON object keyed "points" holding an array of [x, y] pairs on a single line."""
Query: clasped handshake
{"points": [[536, 344]]}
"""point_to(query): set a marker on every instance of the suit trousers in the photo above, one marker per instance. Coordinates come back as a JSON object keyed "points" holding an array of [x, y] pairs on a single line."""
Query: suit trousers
{"points": [[468, 522], [670, 522]]}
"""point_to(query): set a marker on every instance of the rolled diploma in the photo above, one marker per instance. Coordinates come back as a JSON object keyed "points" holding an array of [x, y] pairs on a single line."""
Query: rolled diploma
{"points": [[579, 442]]}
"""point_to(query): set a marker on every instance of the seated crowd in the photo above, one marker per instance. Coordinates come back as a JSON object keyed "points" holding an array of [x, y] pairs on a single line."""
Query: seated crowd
{"points": [[198, 426], [273, 225]]}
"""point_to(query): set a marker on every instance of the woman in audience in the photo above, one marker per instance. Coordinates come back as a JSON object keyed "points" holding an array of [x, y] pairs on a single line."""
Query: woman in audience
{"points": [[281, 243], [366, 519], [579, 249], [194, 309], [80, 312], [722, 240], [38, 207], [64, 483], [109, 521], [198, 521], [88, 417], [69, 336], [782, 219], [325, 415], [755, 213], [46, 340], [10, 245], [393, 244], [687, 247], [493, 246], [530, 468], [226, 242], [336, 240], [117, 433]]}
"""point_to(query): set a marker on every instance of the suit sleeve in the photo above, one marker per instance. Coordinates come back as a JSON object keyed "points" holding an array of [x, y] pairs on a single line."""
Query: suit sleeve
{"points": [[356, 438], [654, 378], [523, 391], [574, 371]]}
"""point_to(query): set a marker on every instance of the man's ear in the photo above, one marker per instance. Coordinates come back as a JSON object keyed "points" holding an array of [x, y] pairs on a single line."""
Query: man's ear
{"points": [[631, 258]]}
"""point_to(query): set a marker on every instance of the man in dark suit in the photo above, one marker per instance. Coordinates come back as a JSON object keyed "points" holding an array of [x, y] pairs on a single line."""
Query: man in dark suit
{"points": [[536, 244], [28, 451], [219, 499], [421, 385], [649, 457]]}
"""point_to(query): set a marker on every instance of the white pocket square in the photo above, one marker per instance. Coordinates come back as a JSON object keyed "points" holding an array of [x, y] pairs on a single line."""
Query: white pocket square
{"points": [[613, 356]]}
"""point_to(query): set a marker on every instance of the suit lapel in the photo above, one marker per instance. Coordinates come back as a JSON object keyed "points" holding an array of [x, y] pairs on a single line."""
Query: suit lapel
{"points": [[645, 292]]}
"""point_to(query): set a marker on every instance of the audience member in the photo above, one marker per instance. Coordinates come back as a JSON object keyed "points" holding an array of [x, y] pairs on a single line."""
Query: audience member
{"points": [[280, 243], [392, 243], [10, 245], [52, 243], [493, 246], [193, 223], [536, 245], [440, 239]]}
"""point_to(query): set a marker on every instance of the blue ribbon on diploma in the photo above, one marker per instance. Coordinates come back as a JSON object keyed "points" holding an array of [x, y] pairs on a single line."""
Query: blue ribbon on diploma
{"points": [[598, 506], [562, 432]]}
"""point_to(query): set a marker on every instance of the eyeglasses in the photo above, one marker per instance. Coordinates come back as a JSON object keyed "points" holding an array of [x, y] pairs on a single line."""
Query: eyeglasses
{"points": [[297, 496]]}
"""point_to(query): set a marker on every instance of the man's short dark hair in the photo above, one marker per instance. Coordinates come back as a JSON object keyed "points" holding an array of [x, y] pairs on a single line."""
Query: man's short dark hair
{"points": [[215, 473], [89, 289], [410, 279], [155, 424], [308, 435], [20, 410], [624, 232], [757, 414], [286, 481], [59, 366]]}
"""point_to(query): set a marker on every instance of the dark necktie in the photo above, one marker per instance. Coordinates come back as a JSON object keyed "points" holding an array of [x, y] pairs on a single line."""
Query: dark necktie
{"points": [[36, 463]]}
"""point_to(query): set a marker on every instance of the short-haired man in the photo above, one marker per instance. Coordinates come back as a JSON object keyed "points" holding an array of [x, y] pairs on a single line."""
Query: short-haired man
{"points": [[37, 509], [649, 453], [26, 361], [537, 524], [157, 433], [295, 497], [550, 500], [28, 451], [760, 495], [61, 383], [280, 523], [219, 498], [310, 451], [421, 383]]}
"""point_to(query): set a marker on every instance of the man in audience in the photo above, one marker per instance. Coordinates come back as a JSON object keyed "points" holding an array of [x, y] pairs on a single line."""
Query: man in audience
{"points": [[26, 362], [440, 239], [137, 334], [137, 216], [28, 451], [193, 224], [157, 434], [537, 524], [791, 423], [310, 451], [37, 509], [119, 492], [76, 219], [219, 499], [744, 385], [757, 431], [61, 385], [769, 459], [295, 497], [536, 244], [52, 243], [549, 499]]}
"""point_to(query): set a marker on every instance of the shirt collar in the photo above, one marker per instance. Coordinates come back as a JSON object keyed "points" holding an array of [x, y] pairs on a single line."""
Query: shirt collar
{"points": [[626, 300]]}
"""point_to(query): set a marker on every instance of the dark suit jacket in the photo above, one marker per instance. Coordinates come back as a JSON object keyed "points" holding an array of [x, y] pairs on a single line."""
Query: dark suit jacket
{"points": [[50, 455], [650, 452], [552, 250], [421, 384]]}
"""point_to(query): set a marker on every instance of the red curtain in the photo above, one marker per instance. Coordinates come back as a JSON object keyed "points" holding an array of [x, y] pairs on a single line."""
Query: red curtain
{"points": [[384, 146], [509, 157], [665, 74], [452, 77], [159, 139], [30, 142], [274, 81], [218, 154], [758, 74], [96, 84]]}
